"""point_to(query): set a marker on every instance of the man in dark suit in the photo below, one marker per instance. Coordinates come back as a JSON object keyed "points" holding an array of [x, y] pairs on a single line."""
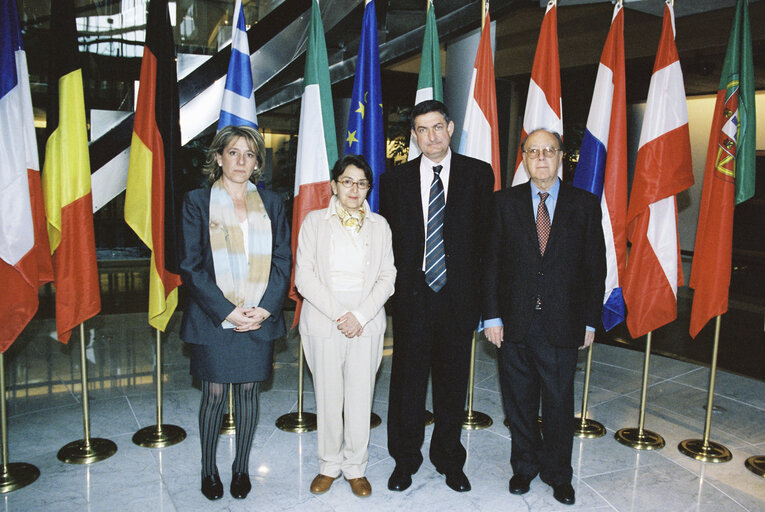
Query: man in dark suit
{"points": [[544, 281], [437, 207]]}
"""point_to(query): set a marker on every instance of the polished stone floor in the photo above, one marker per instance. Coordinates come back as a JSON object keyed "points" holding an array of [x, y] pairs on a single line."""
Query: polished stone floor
{"points": [[45, 413]]}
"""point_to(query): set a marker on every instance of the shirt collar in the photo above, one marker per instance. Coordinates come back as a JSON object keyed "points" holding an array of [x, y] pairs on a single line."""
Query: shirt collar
{"points": [[428, 164], [554, 190], [332, 210]]}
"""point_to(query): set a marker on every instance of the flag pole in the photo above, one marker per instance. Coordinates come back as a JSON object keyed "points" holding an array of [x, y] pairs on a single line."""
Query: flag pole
{"points": [[159, 435], [704, 449], [14, 475], [639, 438], [299, 421], [228, 428], [474, 420], [86, 450], [583, 427]]}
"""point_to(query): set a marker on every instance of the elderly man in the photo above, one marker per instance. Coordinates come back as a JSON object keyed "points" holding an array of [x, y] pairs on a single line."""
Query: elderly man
{"points": [[437, 207], [544, 282]]}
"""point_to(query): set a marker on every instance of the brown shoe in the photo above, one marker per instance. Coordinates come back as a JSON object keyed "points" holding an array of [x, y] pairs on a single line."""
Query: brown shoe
{"points": [[322, 483], [360, 486]]}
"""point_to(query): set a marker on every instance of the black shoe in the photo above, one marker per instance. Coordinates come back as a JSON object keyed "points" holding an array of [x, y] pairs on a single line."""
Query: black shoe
{"points": [[240, 485], [519, 484], [457, 481], [564, 493], [400, 479], [212, 487]]}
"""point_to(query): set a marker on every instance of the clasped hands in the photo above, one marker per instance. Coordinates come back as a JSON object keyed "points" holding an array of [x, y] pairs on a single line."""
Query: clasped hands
{"points": [[349, 325], [247, 319], [496, 335]]}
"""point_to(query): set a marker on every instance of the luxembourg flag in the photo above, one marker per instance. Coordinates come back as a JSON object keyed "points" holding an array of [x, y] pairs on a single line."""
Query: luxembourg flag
{"points": [[480, 136], [238, 105], [663, 169], [544, 106], [25, 262], [317, 145], [602, 166]]}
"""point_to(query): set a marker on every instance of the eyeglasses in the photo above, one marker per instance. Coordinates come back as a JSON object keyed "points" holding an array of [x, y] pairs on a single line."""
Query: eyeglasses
{"points": [[548, 152], [349, 183]]}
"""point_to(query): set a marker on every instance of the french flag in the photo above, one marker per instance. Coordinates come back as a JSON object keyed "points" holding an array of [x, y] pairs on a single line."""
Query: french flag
{"points": [[480, 136], [663, 169], [238, 105], [544, 107], [602, 166], [25, 261]]}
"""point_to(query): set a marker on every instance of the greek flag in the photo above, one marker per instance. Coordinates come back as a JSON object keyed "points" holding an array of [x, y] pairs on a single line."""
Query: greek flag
{"points": [[238, 105]]}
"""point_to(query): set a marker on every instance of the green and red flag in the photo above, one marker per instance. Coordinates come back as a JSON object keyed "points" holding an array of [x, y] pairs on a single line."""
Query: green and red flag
{"points": [[728, 176], [150, 200], [66, 180]]}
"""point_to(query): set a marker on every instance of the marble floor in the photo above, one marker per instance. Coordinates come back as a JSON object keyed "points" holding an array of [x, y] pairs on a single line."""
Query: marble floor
{"points": [[45, 413]]}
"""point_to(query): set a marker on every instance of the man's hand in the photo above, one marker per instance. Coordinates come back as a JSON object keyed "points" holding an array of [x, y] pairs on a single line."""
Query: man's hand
{"points": [[589, 337], [349, 325], [496, 335]]}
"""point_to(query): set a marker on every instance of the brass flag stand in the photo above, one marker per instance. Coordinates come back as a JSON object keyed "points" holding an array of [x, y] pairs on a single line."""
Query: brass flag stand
{"points": [[639, 438], [299, 421], [159, 435], [583, 427], [14, 475], [756, 464], [87, 450], [704, 449], [229, 427], [474, 420]]}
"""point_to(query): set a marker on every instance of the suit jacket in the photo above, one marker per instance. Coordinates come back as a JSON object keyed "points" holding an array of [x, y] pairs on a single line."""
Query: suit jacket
{"points": [[207, 307], [321, 309], [569, 278], [465, 221]]}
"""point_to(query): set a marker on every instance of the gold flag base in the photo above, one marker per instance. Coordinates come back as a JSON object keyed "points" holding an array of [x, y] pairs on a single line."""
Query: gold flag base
{"points": [[159, 436], [640, 440], [475, 420], [756, 464], [88, 451], [17, 475], [705, 452], [374, 421], [588, 429], [228, 428], [297, 422]]}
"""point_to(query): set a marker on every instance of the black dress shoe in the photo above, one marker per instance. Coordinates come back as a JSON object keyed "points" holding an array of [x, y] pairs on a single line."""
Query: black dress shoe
{"points": [[212, 487], [240, 485], [400, 479], [519, 484], [457, 481], [564, 493]]}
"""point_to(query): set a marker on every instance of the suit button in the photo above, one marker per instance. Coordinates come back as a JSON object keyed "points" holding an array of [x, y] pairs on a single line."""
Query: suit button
{"points": [[540, 274]]}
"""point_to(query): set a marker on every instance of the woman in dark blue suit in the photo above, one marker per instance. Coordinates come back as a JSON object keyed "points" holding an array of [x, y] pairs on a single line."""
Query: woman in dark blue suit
{"points": [[235, 264]]}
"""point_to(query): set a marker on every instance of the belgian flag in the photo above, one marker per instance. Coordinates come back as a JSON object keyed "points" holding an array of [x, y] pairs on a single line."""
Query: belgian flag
{"points": [[150, 200], [66, 180]]}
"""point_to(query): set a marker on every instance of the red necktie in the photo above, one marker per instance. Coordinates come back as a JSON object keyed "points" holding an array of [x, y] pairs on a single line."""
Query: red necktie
{"points": [[543, 222]]}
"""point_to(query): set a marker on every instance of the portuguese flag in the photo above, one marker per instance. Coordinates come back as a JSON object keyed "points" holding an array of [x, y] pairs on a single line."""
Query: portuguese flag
{"points": [[66, 180], [728, 176], [150, 200]]}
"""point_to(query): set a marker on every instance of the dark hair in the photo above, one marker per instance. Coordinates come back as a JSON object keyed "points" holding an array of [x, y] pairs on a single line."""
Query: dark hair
{"points": [[223, 138], [551, 132], [427, 106], [357, 161]]}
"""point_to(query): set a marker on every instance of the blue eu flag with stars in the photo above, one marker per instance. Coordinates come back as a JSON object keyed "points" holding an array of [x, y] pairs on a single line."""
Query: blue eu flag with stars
{"points": [[365, 134]]}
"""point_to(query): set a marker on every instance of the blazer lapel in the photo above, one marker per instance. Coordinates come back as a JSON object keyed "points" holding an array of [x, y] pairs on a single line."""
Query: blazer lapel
{"points": [[525, 213], [563, 213]]}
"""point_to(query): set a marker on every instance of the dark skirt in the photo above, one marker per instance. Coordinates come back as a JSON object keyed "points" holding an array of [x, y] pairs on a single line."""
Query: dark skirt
{"points": [[233, 360]]}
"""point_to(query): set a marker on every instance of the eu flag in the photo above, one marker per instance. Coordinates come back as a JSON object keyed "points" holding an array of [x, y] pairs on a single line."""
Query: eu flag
{"points": [[365, 123]]}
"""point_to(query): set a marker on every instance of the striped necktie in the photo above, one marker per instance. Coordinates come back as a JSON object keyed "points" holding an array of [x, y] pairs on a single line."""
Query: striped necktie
{"points": [[435, 261]]}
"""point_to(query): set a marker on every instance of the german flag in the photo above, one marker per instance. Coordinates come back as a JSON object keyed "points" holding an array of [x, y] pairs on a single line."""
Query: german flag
{"points": [[66, 180], [150, 201]]}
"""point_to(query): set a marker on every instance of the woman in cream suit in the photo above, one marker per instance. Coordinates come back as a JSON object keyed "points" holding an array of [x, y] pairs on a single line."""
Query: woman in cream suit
{"points": [[345, 273]]}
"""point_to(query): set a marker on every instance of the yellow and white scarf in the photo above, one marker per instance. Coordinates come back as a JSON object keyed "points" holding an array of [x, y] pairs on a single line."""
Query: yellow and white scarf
{"points": [[241, 275]]}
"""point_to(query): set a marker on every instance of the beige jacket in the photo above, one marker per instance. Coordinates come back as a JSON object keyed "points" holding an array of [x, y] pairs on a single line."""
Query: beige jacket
{"points": [[320, 309]]}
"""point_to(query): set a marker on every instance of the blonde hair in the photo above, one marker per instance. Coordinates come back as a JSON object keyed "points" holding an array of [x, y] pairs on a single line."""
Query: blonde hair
{"points": [[222, 139]]}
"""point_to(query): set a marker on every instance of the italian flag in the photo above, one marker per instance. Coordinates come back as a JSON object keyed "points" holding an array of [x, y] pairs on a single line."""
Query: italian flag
{"points": [[317, 145], [66, 181], [429, 86]]}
